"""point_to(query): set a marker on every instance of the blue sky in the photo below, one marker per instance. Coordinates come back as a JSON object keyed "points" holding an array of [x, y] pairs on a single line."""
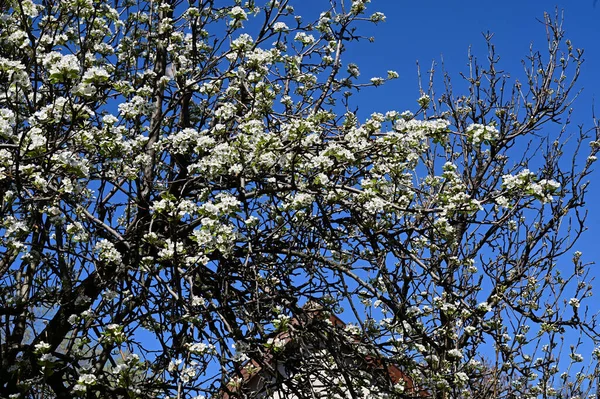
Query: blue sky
{"points": [[433, 30], [430, 30]]}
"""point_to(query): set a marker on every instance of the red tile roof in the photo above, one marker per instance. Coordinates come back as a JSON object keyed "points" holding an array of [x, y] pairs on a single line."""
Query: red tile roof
{"points": [[251, 371]]}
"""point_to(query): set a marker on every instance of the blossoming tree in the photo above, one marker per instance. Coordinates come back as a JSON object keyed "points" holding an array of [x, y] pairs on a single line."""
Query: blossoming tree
{"points": [[184, 183]]}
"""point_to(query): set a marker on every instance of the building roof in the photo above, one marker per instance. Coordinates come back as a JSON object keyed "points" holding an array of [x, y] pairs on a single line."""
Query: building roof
{"points": [[251, 376]]}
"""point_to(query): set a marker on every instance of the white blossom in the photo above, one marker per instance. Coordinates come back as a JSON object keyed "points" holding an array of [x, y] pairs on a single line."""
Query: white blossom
{"points": [[107, 252], [62, 66], [238, 12], [84, 381], [574, 302], [200, 348], [478, 133], [42, 347], [455, 354], [304, 38], [280, 27]]}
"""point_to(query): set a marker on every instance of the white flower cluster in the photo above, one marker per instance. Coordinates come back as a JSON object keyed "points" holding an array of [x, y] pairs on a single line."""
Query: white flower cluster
{"points": [[34, 138], [13, 226], [376, 81], [134, 107], [377, 17], [78, 232], [260, 58], [525, 183], [455, 354], [428, 126], [107, 252], [280, 27], [218, 161], [171, 249], [521, 180], [84, 381], [226, 111], [576, 357], [6, 163], [92, 77], [358, 6], [113, 333], [189, 373], [214, 234], [353, 70], [298, 201], [41, 348], [29, 8], [238, 13], [276, 343], [484, 307], [477, 133], [461, 379], [574, 302], [454, 197], [19, 39], [61, 109], [200, 348], [198, 301], [304, 38], [281, 322], [7, 122], [18, 79], [174, 209], [61, 67], [96, 74], [130, 363], [225, 204], [242, 42], [48, 358], [424, 101], [72, 162]]}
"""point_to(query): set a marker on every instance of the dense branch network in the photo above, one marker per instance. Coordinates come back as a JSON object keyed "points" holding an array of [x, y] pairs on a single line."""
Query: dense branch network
{"points": [[183, 184]]}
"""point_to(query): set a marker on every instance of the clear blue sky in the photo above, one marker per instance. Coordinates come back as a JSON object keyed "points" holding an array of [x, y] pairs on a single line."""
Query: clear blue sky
{"points": [[429, 30]]}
